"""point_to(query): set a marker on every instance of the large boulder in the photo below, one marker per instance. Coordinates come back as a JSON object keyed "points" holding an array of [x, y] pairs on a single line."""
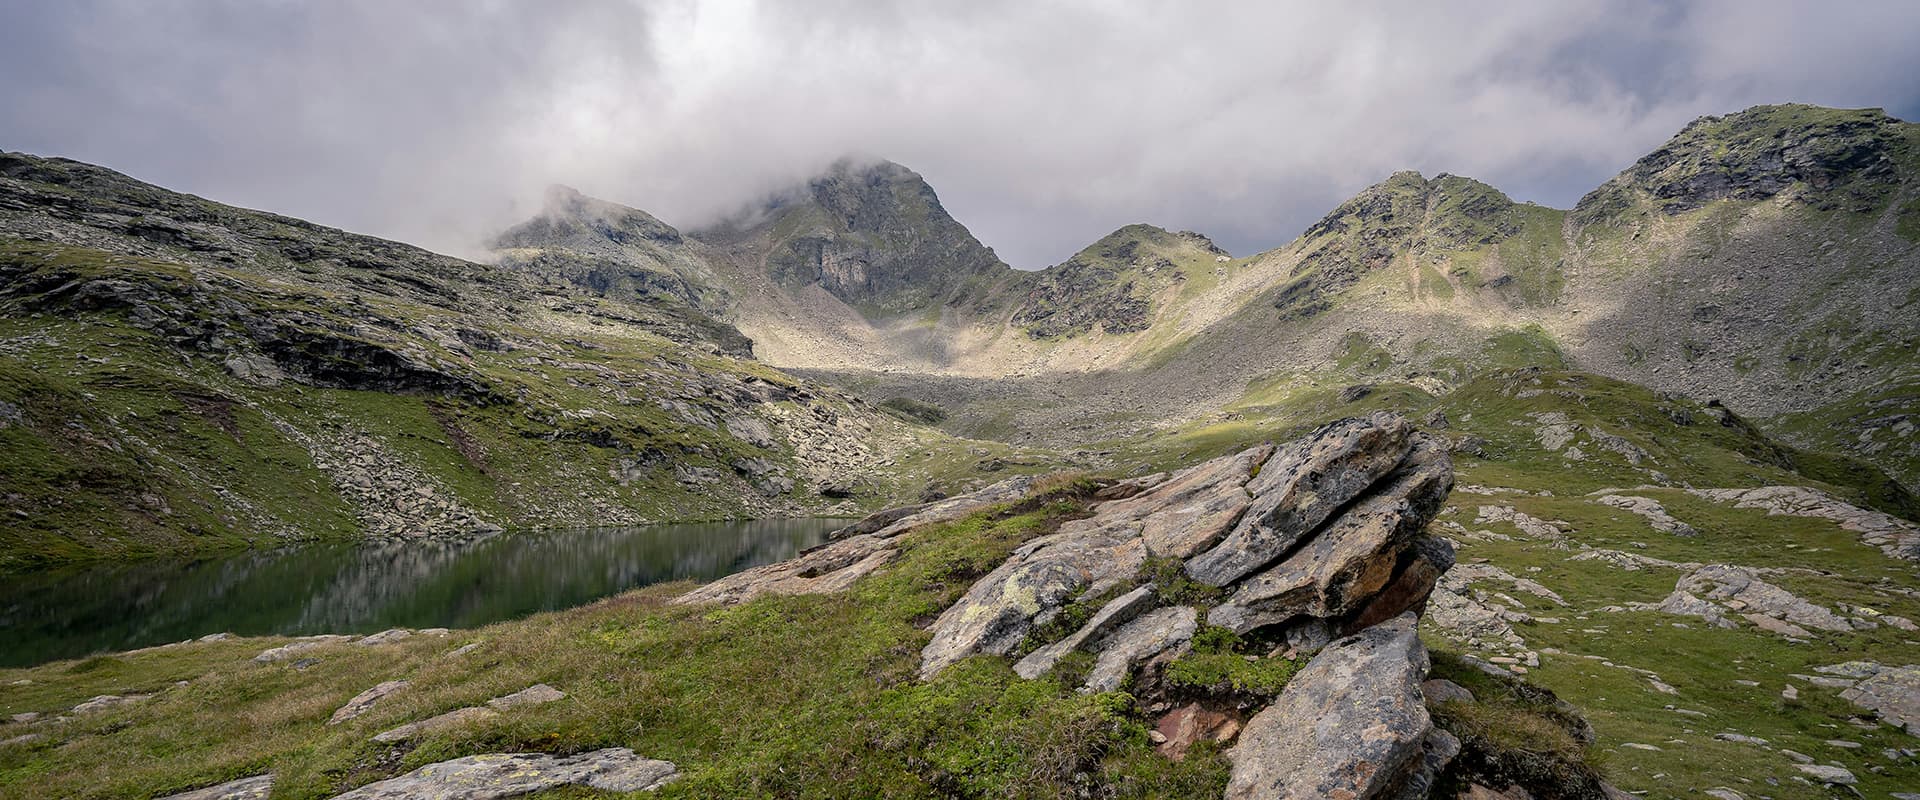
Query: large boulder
{"points": [[1088, 557], [1328, 527], [1352, 724]]}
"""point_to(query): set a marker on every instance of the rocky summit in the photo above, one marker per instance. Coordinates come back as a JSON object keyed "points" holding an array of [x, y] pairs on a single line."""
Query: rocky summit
{"points": [[1451, 495]]}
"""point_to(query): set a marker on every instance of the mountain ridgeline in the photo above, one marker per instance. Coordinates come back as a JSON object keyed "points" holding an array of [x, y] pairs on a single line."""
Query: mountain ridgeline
{"points": [[1766, 259], [185, 372]]}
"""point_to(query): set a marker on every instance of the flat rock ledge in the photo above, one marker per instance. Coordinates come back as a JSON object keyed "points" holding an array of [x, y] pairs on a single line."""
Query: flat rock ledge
{"points": [[1896, 537], [501, 775], [257, 787], [531, 696], [1891, 693], [851, 552]]}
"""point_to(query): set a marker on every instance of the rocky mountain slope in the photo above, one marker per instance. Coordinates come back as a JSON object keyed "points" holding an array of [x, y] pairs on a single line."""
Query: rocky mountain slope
{"points": [[1768, 259], [612, 251], [177, 374]]}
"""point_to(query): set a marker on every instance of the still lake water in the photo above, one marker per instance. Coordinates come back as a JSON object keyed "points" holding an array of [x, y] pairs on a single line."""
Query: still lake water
{"points": [[362, 588]]}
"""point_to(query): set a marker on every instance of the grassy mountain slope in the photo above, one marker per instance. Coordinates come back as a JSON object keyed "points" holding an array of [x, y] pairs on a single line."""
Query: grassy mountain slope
{"points": [[177, 375]]}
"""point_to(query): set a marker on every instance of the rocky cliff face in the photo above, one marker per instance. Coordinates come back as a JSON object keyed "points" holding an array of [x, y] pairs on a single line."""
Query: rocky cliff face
{"points": [[1830, 158]]}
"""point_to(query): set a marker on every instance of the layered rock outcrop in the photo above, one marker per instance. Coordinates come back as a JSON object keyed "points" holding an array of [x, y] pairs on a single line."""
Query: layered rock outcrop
{"points": [[1316, 538], [1314, 551]]}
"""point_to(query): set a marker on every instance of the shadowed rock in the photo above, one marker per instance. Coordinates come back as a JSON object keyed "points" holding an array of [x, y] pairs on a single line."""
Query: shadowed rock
{"points": [[1341, 567], [1421, 566], [1436, 753], [1351, 724]]}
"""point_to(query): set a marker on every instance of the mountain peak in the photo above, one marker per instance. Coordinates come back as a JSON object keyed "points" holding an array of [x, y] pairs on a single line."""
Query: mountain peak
{"points": [[575, 219], [611, 250], [870, 232], [1853, 157]]}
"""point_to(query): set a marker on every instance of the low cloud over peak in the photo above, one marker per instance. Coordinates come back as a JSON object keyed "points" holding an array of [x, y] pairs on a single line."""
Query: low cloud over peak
{"points": [[1042, 125]]}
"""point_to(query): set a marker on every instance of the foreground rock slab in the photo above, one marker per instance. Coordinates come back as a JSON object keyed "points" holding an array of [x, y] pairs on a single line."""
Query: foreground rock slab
{"points": [[1352, 724], [257, 787], [1300, 487], [1354, 557], [501, 775], [1328, 526]]}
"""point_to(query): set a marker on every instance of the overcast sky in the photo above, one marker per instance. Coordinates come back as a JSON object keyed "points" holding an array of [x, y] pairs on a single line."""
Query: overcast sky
{"points": [[1042, 125]]}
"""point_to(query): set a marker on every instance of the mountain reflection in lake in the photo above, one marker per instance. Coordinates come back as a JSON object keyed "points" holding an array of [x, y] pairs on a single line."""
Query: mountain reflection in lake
{"points": [[360, 588]]}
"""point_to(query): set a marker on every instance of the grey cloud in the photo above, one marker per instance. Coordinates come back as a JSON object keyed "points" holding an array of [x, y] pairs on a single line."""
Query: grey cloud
{"points": [[1043, 125]]}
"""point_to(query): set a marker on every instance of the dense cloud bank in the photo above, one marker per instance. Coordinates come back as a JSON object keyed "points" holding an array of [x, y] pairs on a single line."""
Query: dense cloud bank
{"points": [[1044, 125]]}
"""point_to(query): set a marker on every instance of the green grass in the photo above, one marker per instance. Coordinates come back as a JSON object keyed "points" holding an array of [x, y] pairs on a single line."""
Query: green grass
{"points": [[1908, 222], [783, 696], [1600, 651], [1222, 663], [129, 443]]}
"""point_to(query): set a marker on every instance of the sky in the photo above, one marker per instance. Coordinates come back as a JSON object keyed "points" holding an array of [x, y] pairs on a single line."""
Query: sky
{"points": [[1042, 125]]}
